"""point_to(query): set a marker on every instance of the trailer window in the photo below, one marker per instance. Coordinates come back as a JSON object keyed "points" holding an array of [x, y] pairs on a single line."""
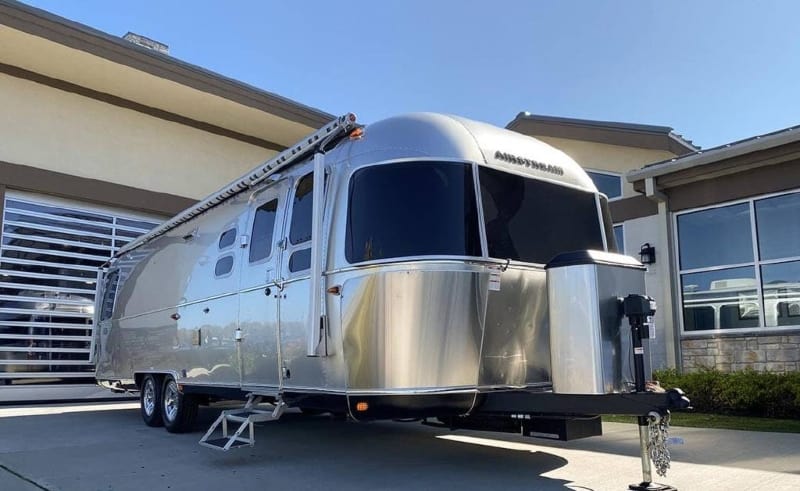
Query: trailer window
{"points": [[300, 260], [531, 220], [224, 266], [263, 229], [412, 209], [227, 238], [109, 294], [302, 208]]}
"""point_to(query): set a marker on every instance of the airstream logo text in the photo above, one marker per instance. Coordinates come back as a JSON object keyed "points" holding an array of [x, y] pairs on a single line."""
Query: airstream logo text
{"points": [[529, 163]]}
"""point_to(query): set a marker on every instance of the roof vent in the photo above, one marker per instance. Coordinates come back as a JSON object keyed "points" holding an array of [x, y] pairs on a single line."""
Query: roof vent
{"points": [[146, 42]]}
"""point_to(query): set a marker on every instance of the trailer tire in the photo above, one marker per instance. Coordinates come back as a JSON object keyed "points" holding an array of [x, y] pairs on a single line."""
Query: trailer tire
{"points": [[178, 410], [150, 401]]}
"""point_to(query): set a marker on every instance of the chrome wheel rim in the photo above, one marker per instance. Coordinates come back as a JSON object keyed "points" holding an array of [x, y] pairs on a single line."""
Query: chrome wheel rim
{"points": [[171, 400], [149, 397]]}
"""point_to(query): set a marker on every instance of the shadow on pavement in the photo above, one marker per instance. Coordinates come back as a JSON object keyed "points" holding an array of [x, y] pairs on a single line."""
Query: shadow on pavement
{"points": [[300, 452]]}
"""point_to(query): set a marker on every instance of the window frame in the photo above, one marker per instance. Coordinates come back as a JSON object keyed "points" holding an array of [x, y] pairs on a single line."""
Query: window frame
{"points": [[756, 263], [618, 175]]}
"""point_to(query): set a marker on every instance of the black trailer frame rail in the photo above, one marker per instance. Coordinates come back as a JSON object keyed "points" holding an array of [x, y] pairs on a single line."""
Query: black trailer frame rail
{"points": [[634, 403]]}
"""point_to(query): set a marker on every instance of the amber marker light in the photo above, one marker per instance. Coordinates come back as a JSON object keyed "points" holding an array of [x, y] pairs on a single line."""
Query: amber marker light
{"points": [[362, 406], [357, 133]]}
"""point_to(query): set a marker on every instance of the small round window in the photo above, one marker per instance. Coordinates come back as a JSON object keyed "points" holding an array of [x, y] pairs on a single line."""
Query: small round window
{"points": [[224, 266]]}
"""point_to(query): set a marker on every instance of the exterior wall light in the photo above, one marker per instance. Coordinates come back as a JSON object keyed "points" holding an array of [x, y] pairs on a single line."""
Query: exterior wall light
{"points": [[647, 254]]}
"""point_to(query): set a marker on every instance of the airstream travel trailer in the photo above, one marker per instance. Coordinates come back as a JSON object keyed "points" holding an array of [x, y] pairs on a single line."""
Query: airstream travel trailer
{"points": [[408, 269]]}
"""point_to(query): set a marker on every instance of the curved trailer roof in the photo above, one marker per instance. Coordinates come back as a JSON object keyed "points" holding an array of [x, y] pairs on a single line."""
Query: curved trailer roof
{"points": [[428, 134]]}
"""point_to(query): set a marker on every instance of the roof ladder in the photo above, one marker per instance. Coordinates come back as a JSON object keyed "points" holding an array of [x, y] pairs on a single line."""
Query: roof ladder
{"points": [[245, 417], [332, 131]]}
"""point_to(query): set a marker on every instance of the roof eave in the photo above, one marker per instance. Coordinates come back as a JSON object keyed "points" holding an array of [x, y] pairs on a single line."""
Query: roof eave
{"points": [[672, 142], [710, 156], [63, 31]]}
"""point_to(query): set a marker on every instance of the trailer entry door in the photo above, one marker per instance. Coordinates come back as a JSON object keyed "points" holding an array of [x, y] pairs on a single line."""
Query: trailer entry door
{"points": [[259, 287]]}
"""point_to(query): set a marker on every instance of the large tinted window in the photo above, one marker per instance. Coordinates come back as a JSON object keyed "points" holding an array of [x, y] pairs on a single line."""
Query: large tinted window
{"points": [[263, 229], [778, 222], [531, 220], [412, 209]]}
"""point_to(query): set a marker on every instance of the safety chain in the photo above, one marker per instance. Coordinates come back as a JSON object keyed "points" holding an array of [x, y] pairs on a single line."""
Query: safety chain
{"points": [[658, 430]]}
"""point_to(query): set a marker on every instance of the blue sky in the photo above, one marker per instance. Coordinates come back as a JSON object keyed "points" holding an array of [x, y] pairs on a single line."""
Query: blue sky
{"points": [[716, 71]]}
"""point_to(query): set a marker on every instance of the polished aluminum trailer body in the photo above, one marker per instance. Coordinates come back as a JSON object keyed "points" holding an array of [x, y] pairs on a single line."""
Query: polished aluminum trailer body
{"points": [[191, 302]]}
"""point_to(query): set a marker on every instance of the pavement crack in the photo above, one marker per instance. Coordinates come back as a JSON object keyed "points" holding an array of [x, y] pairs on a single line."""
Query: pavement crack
{"points": [[26, 479]]}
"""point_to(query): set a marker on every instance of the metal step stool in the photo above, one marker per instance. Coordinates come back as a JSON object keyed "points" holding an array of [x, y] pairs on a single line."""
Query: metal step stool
{"points": [[246, 417]]}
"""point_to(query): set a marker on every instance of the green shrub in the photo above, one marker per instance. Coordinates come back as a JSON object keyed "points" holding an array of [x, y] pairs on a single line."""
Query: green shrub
{"points": [[742, 393]]}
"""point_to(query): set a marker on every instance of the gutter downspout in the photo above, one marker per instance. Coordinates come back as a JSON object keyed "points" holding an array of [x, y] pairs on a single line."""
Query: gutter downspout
{"points": [[672, 337]]}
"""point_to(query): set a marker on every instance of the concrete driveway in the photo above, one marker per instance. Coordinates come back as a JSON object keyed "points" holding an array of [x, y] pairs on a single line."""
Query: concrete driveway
{"points": [[107, 447]]}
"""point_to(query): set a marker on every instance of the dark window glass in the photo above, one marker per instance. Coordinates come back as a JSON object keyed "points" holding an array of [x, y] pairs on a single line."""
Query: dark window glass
{"points": [[781, 287], [619, 238], [302, 207], [607, 184], [300, 260], [715, 237], [263, 229], [224, 266], [730, 292], [55, 210], [32, 221], [531, 220], [412, 209], [37, 233], [136, 223], [45, 269], [128, 233], [109, 294], [778, 222], [698, 318], [227, 238], [45, 247]]}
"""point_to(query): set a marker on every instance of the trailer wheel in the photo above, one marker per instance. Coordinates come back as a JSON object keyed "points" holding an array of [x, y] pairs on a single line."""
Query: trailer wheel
{"points": [[178, 410], [150, 401]]}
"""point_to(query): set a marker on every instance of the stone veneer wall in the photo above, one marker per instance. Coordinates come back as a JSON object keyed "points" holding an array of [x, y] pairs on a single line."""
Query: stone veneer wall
{"points": [[775, 353]]}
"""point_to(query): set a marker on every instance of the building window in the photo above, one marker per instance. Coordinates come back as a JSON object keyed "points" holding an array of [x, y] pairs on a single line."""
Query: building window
{"points": [[739, 264], [619, 238], [607, 183]]}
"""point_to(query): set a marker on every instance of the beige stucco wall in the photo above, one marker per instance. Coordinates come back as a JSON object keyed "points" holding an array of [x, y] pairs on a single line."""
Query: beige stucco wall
{"points": [[55, 130], [614, 158]]}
